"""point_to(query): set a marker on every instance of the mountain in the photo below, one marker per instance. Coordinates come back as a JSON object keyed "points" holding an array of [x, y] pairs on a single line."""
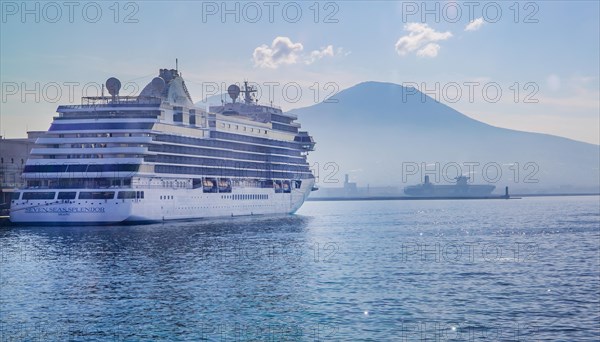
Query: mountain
{"points": [[373, 129], [214, 100]]}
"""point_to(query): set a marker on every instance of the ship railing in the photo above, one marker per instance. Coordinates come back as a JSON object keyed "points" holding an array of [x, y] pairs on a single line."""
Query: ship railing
{"points": [[269, 105], [117, 100]]}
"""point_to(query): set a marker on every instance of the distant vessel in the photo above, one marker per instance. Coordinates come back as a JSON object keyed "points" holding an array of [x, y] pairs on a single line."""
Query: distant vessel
{"points": [[156, 157], [460, 189]]}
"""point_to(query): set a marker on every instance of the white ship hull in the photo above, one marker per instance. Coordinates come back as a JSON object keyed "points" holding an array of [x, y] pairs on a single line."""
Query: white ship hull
{"points": [[161, 205]]}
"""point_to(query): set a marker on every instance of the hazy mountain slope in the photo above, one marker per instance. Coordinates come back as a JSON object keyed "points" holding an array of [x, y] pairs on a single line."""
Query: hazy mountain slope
{"points": [[375, 127]]}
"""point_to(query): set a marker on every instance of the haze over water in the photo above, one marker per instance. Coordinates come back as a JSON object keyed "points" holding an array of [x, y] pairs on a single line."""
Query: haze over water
{"points": [[378, 270]]}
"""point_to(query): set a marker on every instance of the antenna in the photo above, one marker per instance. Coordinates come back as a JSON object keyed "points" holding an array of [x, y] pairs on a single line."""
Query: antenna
{"points": [[248, 90], [233, 91], [113, 86], [176, 65]]}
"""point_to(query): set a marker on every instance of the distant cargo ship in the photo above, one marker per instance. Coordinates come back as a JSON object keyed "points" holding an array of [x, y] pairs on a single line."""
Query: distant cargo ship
{"points": [[460, 189]]}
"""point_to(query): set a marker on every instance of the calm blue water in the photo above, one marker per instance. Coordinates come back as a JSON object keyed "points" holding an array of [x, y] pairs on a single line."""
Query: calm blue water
{"points": [[382, 271]]}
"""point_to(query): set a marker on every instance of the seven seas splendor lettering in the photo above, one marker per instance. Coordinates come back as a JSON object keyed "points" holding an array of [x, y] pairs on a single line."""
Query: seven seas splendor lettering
{"points": [[64, 210]]}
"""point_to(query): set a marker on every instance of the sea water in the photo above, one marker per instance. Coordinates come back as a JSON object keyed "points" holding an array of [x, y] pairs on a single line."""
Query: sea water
{"points": [[462, 270]]}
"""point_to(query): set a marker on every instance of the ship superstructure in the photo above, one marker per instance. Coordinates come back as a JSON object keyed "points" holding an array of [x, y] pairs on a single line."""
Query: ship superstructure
{"points": [[157, 157]]}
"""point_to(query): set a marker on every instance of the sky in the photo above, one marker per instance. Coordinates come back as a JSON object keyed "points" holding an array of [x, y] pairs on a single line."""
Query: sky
{"points": [[531, 66]]}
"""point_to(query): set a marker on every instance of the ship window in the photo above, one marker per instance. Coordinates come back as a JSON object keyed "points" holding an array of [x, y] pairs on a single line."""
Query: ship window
{"points": [[38, 195], [67, 195], [15, 195], [127, 195], [97, 195]]}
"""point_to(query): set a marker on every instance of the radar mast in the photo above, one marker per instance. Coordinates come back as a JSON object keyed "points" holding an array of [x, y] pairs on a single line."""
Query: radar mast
{"points": [[248, 90]]}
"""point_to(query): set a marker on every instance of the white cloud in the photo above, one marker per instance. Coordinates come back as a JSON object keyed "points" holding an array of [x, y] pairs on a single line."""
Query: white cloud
{"points": [[420, 38], [475, 24], [430, 50], [341, 51], [284, 51], [281, 51], [553, 82], [318, 54]]}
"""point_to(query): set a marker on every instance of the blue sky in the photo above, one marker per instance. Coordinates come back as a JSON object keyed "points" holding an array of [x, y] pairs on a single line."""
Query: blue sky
{"points": [[554, 59]]}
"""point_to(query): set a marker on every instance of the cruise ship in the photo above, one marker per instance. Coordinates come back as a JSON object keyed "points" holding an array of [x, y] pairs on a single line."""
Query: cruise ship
{"points": [[156, 157], [460, 189]]}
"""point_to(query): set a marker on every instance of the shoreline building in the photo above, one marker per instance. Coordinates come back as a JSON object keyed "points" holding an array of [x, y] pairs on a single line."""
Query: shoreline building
{"points": [[14, 153]]}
